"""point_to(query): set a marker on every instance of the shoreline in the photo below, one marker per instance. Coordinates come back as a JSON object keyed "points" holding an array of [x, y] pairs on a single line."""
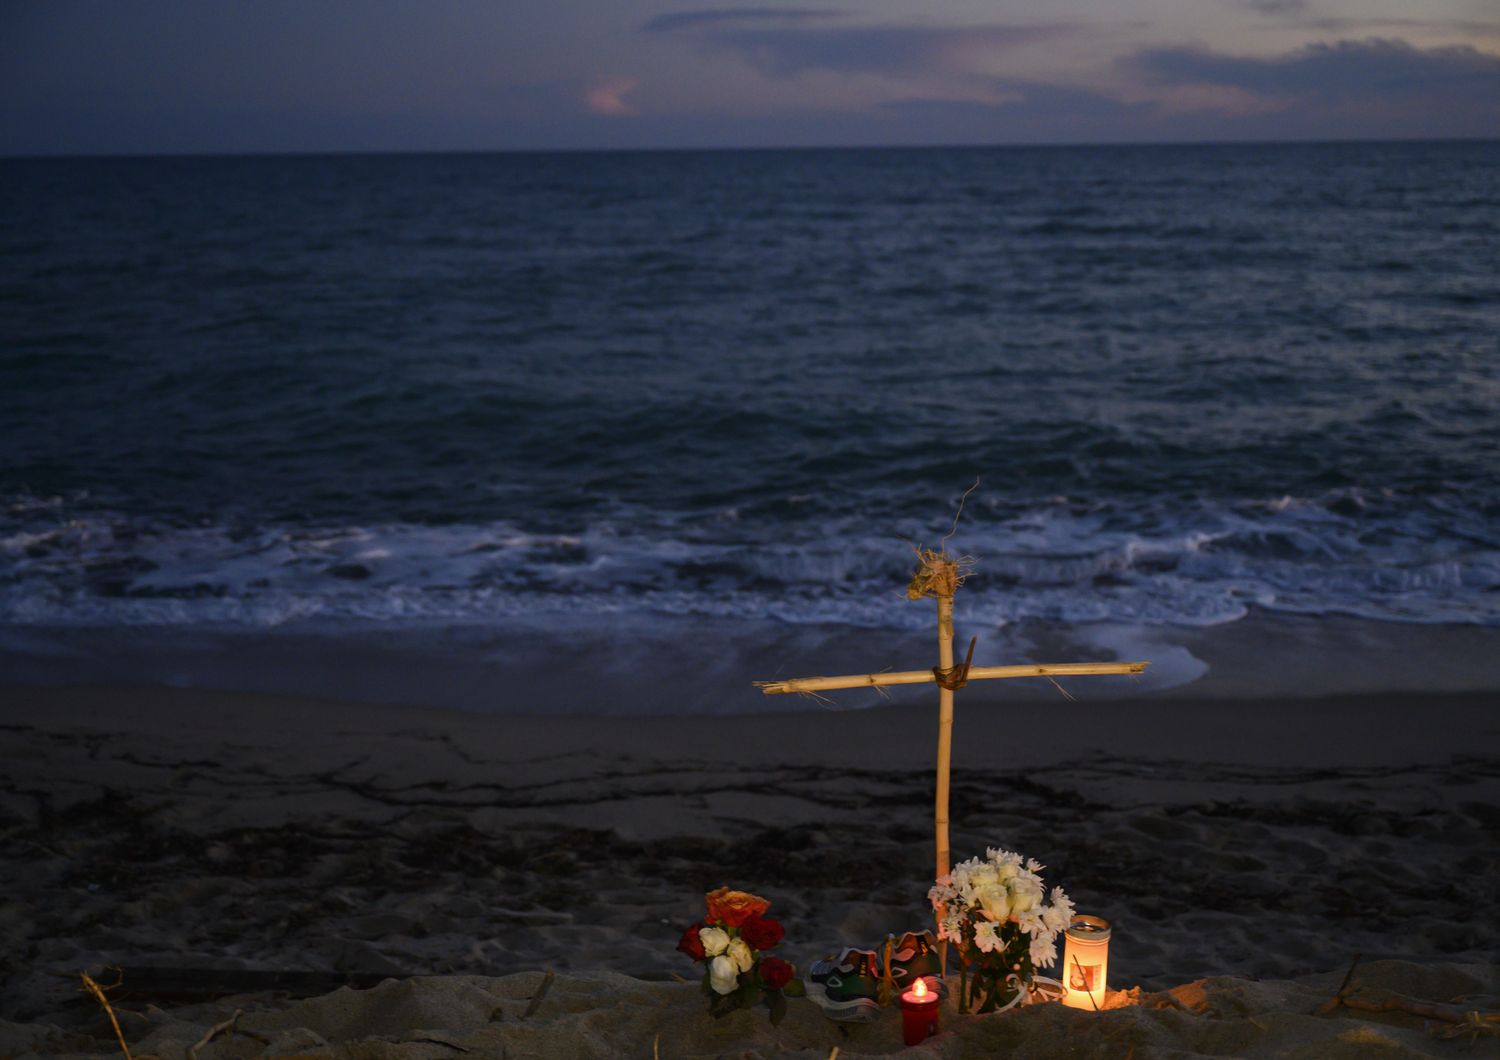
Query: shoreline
{"points": [[630, 665], [1228, 732]]}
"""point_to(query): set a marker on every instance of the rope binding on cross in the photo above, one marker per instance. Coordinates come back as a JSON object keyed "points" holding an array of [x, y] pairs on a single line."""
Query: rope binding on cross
{"points": [[955, 677]]}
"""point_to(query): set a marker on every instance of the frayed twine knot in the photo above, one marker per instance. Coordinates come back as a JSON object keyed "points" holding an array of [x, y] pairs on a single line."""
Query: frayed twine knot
{"points": [[937, 575], [955, 677]]}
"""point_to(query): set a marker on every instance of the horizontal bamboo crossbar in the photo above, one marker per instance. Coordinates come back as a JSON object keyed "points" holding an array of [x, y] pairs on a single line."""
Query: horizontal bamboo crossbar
{"points": [[918, 677]]}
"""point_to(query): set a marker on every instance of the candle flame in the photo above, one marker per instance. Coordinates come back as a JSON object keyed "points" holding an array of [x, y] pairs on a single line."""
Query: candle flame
{"points": [[920, 990]]}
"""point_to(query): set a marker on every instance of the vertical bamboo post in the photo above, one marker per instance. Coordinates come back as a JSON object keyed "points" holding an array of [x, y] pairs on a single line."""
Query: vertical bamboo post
{"points": [[945, 727], [945, 584], [937, 575]]}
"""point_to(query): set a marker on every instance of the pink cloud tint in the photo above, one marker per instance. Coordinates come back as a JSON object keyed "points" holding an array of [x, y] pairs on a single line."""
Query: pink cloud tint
{"points": [[607, 97]]}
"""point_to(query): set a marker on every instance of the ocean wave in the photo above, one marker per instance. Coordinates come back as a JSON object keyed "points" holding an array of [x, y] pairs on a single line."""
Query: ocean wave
{"points": [[1149, 563]]}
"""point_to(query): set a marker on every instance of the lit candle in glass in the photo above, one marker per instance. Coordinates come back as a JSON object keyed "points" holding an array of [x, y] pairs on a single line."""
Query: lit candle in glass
{"points": [[919, 1013], [1085, 962]]}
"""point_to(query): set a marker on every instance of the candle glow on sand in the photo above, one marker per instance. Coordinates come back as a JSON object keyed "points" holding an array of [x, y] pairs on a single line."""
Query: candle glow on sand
{"points": [[919, 1013], [1086, 962]]}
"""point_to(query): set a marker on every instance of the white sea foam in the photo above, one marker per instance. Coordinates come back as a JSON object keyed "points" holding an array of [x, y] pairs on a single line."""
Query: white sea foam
{"points": [[1201, 566]]}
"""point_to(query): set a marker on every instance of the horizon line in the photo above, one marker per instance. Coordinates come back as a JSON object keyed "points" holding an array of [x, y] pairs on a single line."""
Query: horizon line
{"points": [[728, 148]]}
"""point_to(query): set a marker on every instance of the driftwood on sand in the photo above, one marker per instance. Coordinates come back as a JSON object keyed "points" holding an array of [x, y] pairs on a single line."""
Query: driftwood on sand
{"points": [[1469, 1021]]}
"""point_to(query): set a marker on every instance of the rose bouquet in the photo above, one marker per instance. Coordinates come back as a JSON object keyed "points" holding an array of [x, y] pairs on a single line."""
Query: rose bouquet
{"points": [[1004, 923], [731, 941]]}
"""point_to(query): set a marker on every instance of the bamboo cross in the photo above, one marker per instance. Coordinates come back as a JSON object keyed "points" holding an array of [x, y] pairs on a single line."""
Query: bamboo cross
{"points": [[938, 576]]}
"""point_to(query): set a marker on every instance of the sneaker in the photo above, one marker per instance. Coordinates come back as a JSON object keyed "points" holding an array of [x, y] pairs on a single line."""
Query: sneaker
{"points": [[847, 987], [915, 956], [857, 976]]}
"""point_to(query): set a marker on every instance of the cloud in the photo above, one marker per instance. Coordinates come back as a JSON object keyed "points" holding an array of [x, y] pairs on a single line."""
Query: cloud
{"points": [[681, 20], [896, 49], [1275, 7], [1371, 69], [1299, 14], [1460, 26], [1028, 113], [606, 96], [1370, 89]]}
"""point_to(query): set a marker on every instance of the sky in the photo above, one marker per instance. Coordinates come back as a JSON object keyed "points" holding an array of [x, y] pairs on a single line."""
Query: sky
{"points": [[233, 76]]}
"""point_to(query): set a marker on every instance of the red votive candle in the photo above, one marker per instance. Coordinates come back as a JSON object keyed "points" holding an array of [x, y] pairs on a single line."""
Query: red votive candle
{"points": [[919, 1013]]}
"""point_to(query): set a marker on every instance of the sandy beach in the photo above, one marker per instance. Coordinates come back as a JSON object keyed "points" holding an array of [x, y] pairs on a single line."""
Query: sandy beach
{"points": [[1245, 851]]}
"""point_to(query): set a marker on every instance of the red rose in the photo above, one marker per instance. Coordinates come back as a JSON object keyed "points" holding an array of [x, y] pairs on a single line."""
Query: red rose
{"points": [[733, 908], [775, 973], [760, 933], [690, 943]]}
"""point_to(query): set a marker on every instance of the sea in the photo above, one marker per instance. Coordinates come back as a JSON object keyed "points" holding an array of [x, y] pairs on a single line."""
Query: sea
{"points": [[623, 401]]}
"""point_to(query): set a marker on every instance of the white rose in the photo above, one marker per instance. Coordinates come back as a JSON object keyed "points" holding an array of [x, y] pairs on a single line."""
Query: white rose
{"points": [[994, 899], [740, 953], [723, 976], [715, 940], [981, 875], [1006, 871], [1025, 894]]}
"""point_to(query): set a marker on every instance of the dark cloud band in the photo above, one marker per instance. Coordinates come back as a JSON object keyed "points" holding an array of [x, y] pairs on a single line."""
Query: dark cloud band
{"points": [[730, 16], [1369, 69]]}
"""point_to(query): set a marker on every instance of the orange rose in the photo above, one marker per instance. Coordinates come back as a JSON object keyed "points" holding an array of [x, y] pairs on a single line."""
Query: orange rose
{"points": [[734, 907]]}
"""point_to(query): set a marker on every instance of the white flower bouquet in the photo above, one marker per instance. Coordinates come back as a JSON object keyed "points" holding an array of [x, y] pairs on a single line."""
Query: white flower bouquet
{"points": [[1004, 923]]}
